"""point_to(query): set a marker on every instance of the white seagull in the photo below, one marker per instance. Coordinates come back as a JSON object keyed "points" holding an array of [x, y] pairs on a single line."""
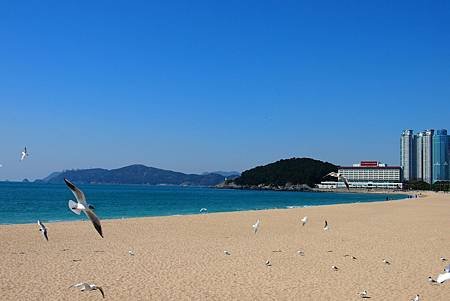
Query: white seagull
{"points": [[363, 294], [203, 210], [339, 177], [83, 286], [445, 276], [81, 205], [304, 220], [42, 229], [131, 253], [325, 227], [256, 226], [24, 154], [443, 259], [268, 263], [226, 252], [301, 253], [335, 268], [386, 262], [416, 298], [431, 280]]}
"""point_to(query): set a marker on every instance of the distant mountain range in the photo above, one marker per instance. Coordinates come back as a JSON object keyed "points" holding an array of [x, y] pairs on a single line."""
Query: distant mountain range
{"points": [[133, 174], [283, 173]]}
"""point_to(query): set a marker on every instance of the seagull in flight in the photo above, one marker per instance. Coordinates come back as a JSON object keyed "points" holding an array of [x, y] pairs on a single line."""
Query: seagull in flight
{"points": [[42, 229], [339, 177], [256, 226], [325, 227], [304, 220], [24, 154], [83, 286], [445, 276], [81, 205]]}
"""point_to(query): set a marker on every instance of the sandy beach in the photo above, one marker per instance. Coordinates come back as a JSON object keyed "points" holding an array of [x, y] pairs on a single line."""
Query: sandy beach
{"points": [[182, 257]]}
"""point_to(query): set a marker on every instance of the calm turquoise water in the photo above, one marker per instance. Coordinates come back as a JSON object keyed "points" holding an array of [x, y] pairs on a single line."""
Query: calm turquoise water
{"points": [[27, 202]]}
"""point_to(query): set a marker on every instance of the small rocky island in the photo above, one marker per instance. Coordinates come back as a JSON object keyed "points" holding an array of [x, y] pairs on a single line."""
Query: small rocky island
{"points": [[295, 174]]}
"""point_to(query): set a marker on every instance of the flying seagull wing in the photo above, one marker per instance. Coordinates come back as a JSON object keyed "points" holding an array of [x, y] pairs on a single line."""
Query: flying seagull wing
{"points": [[81, 285], [447, 269], [101, 291], [95, 220], [43, 229], [79, 195], [331, 174], [346, 182]]}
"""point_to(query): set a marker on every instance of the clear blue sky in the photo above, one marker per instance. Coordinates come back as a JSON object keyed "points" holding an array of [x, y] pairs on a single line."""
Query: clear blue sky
{"points": [[199, 86]]}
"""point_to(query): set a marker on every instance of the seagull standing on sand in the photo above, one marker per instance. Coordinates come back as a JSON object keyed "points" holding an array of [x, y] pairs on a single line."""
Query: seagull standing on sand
{"points": [[443, 259], [304, 220], [81, 205], [363, 294], [386, 262], [431, 280], [24, 154], [256, 226], [325, 227], [339, 177], [416, 298], [335, 268], [83, 286], [226, 252], [42, 229], [268, 263]]}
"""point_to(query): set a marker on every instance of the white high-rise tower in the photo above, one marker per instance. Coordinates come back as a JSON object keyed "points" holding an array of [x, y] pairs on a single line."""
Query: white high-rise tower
{"points": [[406, 155]]}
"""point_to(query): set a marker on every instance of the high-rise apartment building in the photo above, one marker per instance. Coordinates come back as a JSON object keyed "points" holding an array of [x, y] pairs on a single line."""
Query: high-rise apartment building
{"points": [[406, 155], [425, 156], [418, 141], [440, 156]]}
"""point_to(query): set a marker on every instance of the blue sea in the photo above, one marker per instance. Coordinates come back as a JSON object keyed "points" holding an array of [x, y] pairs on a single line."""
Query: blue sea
{"points": [[28, 202]]}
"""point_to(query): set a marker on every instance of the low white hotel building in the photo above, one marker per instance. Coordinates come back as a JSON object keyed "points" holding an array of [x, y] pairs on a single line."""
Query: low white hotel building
{"points": [[367, 174]]}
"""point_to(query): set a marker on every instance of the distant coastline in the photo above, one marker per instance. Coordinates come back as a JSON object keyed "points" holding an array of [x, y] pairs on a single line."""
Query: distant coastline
{"points": [[306, 188]]}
